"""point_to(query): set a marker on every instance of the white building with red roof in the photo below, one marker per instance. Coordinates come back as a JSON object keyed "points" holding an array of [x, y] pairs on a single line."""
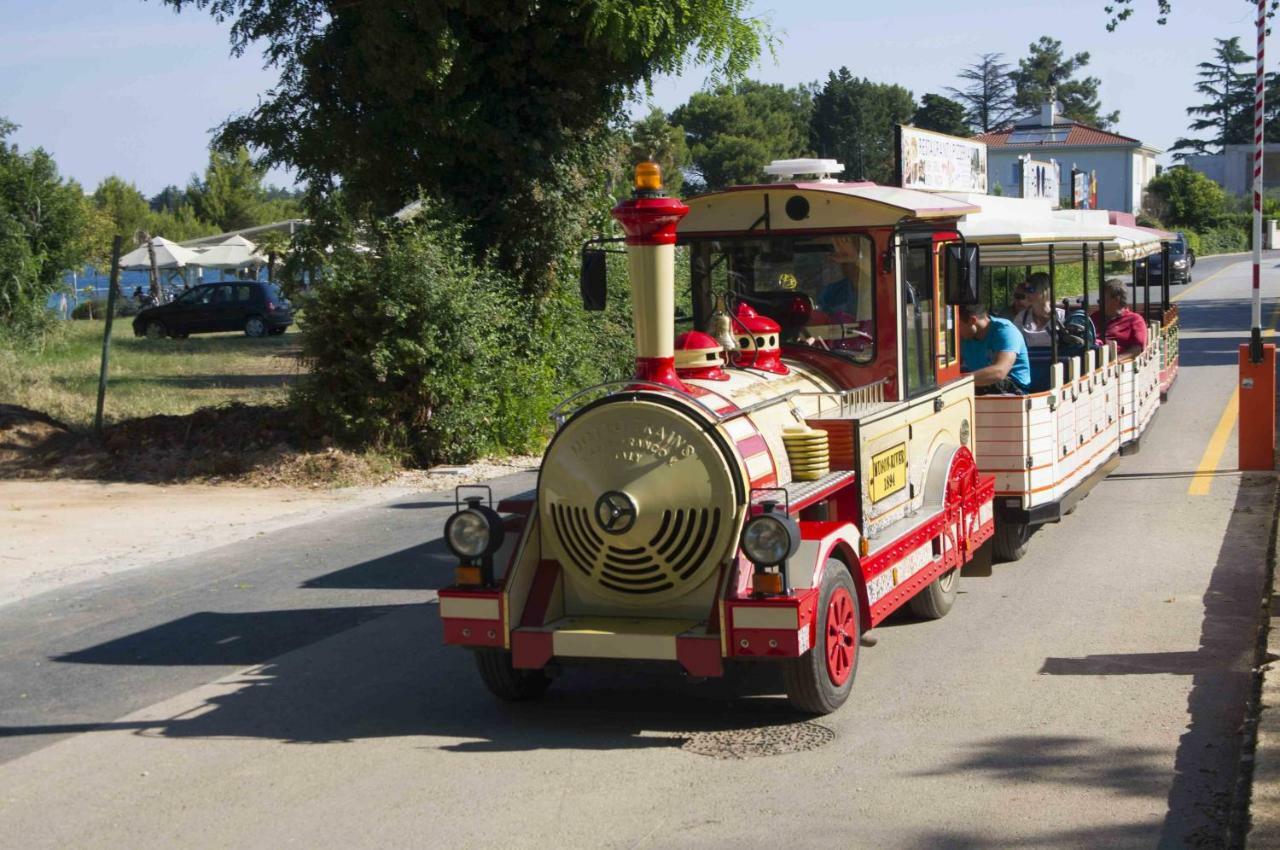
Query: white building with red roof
{"points": [[1124, 165]]}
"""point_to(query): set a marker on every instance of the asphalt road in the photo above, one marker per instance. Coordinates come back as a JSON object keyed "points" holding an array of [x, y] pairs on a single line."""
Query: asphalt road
{"points": [[293, 690]]}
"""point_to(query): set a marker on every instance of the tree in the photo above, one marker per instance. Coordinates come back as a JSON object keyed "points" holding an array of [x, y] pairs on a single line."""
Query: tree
{"points": [[169, 199], [125, 208], [231, 194], [988, 97], [942, 115], [504, 110], [654, 137], [1121, 10], [42, 219], [1228, 111], [853, 121], [735, 131], [1181, 197], [1046, 74]]}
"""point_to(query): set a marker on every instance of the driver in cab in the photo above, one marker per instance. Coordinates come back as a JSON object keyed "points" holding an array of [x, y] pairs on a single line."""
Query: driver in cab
{"points": [[840, 295], [994, 352]]}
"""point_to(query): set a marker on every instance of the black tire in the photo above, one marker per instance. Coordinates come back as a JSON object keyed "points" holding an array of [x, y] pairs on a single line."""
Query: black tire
{"points": [[809, 685], [1011, 540], [255, 326], [156, 330], [506, 682], [936, 600]]}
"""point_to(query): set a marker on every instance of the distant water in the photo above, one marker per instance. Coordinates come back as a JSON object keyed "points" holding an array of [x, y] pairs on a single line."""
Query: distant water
{"points": [[93, 285]]}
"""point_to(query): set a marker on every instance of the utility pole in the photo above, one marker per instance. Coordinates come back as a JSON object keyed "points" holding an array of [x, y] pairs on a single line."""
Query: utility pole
{"points": [[106, 334]]}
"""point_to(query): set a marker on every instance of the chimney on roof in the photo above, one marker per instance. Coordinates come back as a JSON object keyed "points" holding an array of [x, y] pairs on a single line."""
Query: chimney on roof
{"points": [[1050, 112]]}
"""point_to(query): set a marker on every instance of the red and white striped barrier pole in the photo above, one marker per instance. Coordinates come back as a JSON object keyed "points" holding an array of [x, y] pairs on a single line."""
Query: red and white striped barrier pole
{"points": [[1257, 387], [1255, 338]]}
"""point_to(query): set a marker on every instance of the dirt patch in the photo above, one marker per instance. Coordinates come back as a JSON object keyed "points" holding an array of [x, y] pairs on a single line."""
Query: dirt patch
{"points": [[27, 437], [256, 445]]}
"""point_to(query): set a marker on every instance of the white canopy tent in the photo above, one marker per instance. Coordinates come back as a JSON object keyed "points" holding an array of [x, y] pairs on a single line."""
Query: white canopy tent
{"points": [[169, 255], [235, 252]]}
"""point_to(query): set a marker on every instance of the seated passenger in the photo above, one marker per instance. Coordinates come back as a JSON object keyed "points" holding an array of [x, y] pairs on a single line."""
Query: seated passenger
{"points": [[1017, 305], [1124, 327], [992, 350], [1034, 319]]}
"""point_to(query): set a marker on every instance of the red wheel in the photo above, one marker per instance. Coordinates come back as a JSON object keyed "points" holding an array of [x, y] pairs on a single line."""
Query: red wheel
{"points": [[842, 637], [819, 681]]}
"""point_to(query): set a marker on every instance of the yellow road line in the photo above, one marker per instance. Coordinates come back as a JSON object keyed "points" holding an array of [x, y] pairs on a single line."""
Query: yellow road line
{"points": [[1184, 293], [1212, 456]]}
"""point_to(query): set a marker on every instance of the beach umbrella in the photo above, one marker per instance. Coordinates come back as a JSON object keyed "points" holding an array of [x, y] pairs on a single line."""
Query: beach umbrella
{"points": [[169, 255]]}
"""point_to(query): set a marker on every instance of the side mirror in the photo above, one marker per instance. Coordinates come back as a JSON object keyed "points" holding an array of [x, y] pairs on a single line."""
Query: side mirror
{"points": [[962, 274], [1193, 257], [593, 282]]}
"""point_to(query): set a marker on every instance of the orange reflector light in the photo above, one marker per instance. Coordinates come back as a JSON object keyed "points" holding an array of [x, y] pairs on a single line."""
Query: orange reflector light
{"points": [[648, 177], [767, 583], [467, 575]]}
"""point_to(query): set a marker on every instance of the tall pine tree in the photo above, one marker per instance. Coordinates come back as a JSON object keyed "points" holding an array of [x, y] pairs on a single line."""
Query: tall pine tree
{"points": [[1048, 74], [1227, 113], [988, 96]]}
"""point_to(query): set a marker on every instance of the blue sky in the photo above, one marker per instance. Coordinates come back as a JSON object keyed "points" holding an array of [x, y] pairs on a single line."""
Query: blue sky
{"points": [[128, 87]]}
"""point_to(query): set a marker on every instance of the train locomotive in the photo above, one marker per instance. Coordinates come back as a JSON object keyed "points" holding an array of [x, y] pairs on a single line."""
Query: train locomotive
{"points": [[770, 484]]}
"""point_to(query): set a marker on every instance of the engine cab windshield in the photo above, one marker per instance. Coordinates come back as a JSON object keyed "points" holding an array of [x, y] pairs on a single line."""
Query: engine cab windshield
{"points": [[820, 289]]}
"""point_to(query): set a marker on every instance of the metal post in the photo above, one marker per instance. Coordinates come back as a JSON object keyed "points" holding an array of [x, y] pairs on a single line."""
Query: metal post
{"points": [[1102, 291], [1255, 336], [1053, 310], [1146, 289], [1164, 288], [1084, 277], [106, 334]]}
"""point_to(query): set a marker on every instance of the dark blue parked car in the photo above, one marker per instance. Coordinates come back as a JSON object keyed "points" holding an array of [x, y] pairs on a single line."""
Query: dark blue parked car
{"points": [[256, 308]]}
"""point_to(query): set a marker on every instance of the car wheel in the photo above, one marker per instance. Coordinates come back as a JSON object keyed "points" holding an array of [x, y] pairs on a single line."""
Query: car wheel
{"points": [[819, 681], [254, 326], [156, 330], [936, 600], [1011, 540], [506, 682]]}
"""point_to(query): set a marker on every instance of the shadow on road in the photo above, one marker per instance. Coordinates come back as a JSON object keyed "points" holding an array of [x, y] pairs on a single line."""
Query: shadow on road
{"points": [[383, 672], [1206, 767]]}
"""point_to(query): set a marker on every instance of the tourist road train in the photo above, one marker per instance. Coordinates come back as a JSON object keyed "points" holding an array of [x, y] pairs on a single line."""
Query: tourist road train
{"points": [[798, 454]]}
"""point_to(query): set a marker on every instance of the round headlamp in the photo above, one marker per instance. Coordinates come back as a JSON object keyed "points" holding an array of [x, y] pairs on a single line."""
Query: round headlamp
{"points": [[770, 538], [474, 531]]}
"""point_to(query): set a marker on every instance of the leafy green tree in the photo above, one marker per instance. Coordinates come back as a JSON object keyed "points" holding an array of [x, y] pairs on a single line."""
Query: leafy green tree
{"points": [[942, 115], [988, 95], [1181, 197], [1227, 84], [1119, 11], [735, 131], [654, 137], [42, 220], [231, 194], [1047, 74], [125, 208], [505, 111], [853, 121]]}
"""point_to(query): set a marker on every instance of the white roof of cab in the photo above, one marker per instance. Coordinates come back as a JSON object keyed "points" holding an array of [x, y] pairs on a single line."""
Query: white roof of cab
{"points": [[827, 206]]}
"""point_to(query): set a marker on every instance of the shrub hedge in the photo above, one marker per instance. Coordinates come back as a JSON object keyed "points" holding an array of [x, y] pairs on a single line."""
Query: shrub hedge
{"points": [[416, 350]]}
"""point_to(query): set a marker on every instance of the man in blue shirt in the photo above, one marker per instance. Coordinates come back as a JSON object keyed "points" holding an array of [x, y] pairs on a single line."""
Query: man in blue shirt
{"points": [[994, 352]]}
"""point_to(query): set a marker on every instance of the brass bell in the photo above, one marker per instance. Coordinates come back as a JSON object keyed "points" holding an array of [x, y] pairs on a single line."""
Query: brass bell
{"points": [[720, 326]]}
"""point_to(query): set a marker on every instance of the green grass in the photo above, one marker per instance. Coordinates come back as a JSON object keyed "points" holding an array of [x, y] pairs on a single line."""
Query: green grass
{"points": [[147, 376]]}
